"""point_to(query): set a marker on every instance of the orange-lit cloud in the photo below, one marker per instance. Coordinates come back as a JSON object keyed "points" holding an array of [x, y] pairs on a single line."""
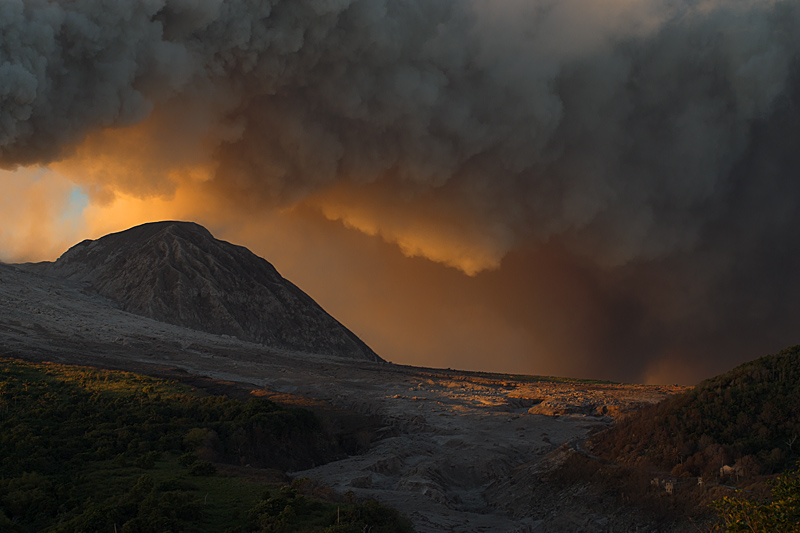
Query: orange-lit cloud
{"points": [[150, 159], [424, 226], [536, 185], [35, 219]]}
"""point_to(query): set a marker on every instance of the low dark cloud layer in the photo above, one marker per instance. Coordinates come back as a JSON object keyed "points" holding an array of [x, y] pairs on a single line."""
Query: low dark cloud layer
{"points": [[639, 153]]}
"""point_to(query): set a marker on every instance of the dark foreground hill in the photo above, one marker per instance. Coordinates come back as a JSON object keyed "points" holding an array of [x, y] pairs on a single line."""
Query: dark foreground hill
{"points": [[689, 463], [703, 459], [748, 418], [177, 272]]}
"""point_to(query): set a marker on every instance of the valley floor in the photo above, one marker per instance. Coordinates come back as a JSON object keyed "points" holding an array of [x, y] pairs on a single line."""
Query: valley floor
{"points": [[449, 440]]}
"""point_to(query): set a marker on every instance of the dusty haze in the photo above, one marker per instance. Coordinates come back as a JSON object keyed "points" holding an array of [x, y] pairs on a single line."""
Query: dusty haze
{"points": [[596, 190]]}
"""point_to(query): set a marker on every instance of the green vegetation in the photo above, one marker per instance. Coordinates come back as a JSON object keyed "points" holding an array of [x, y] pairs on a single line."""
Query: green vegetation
{"points": [[749, 417], [702, 450], [83, 449], [781, 514], [288, 510]]}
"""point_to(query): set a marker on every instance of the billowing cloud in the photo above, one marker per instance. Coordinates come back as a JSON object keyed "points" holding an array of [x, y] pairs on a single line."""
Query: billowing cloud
{"points": [[642, 150]]}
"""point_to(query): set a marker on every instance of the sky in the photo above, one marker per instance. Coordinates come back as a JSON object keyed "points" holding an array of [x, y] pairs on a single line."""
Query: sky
{"points": [[577, 188]]}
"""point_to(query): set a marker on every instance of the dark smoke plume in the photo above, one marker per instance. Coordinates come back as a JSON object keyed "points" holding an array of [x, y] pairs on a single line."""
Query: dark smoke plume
{"points": [[653, 141]]}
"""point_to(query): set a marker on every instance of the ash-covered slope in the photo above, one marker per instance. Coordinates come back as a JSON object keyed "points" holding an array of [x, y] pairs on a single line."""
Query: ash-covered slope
{"points": [[177, 272]]}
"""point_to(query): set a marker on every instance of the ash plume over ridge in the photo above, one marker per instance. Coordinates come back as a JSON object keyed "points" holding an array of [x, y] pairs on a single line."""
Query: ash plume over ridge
{"points": [[651, 141]]}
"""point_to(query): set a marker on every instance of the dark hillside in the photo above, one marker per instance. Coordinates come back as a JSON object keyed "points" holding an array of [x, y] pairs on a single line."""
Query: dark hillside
{"points": [[748, 418], [177, 272], [83, 449], [666, 464]]}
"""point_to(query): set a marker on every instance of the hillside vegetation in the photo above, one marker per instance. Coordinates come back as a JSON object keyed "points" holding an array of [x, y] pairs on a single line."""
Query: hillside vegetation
{"points": [[83, 449], [719, 456], [748, 418]]}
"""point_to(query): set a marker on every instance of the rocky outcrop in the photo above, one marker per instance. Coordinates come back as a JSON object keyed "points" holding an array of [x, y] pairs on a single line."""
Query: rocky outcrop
{"points": [[177, 272]]}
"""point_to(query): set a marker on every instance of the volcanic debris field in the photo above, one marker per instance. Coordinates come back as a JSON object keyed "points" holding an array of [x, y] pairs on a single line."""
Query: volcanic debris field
{"points": [[444, 439]]}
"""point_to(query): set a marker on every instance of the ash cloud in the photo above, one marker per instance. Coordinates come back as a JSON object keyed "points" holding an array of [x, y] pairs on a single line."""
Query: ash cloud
{"points": [[652, 142]]}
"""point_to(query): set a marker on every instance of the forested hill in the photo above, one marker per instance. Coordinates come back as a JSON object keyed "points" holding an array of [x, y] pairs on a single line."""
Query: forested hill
{"points": [[748, 417]]}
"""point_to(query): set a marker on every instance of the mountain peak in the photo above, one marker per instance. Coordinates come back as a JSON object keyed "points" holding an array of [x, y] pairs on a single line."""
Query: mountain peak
{"points": [[177, 272]]}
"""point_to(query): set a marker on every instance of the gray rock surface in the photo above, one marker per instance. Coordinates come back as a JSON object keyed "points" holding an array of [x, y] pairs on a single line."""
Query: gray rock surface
{"points": [[177, 272], [457, 451]]}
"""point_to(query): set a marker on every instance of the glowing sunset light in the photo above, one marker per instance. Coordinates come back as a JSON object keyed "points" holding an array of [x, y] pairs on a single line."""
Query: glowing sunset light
{"points": [[566, 188]]}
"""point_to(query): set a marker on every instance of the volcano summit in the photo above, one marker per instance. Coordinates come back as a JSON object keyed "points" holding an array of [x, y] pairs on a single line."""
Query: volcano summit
{"points": [[177, 272]]}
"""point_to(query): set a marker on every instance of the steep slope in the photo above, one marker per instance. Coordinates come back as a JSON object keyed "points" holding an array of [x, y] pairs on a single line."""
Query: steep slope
{"points": [[177, 272]]}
